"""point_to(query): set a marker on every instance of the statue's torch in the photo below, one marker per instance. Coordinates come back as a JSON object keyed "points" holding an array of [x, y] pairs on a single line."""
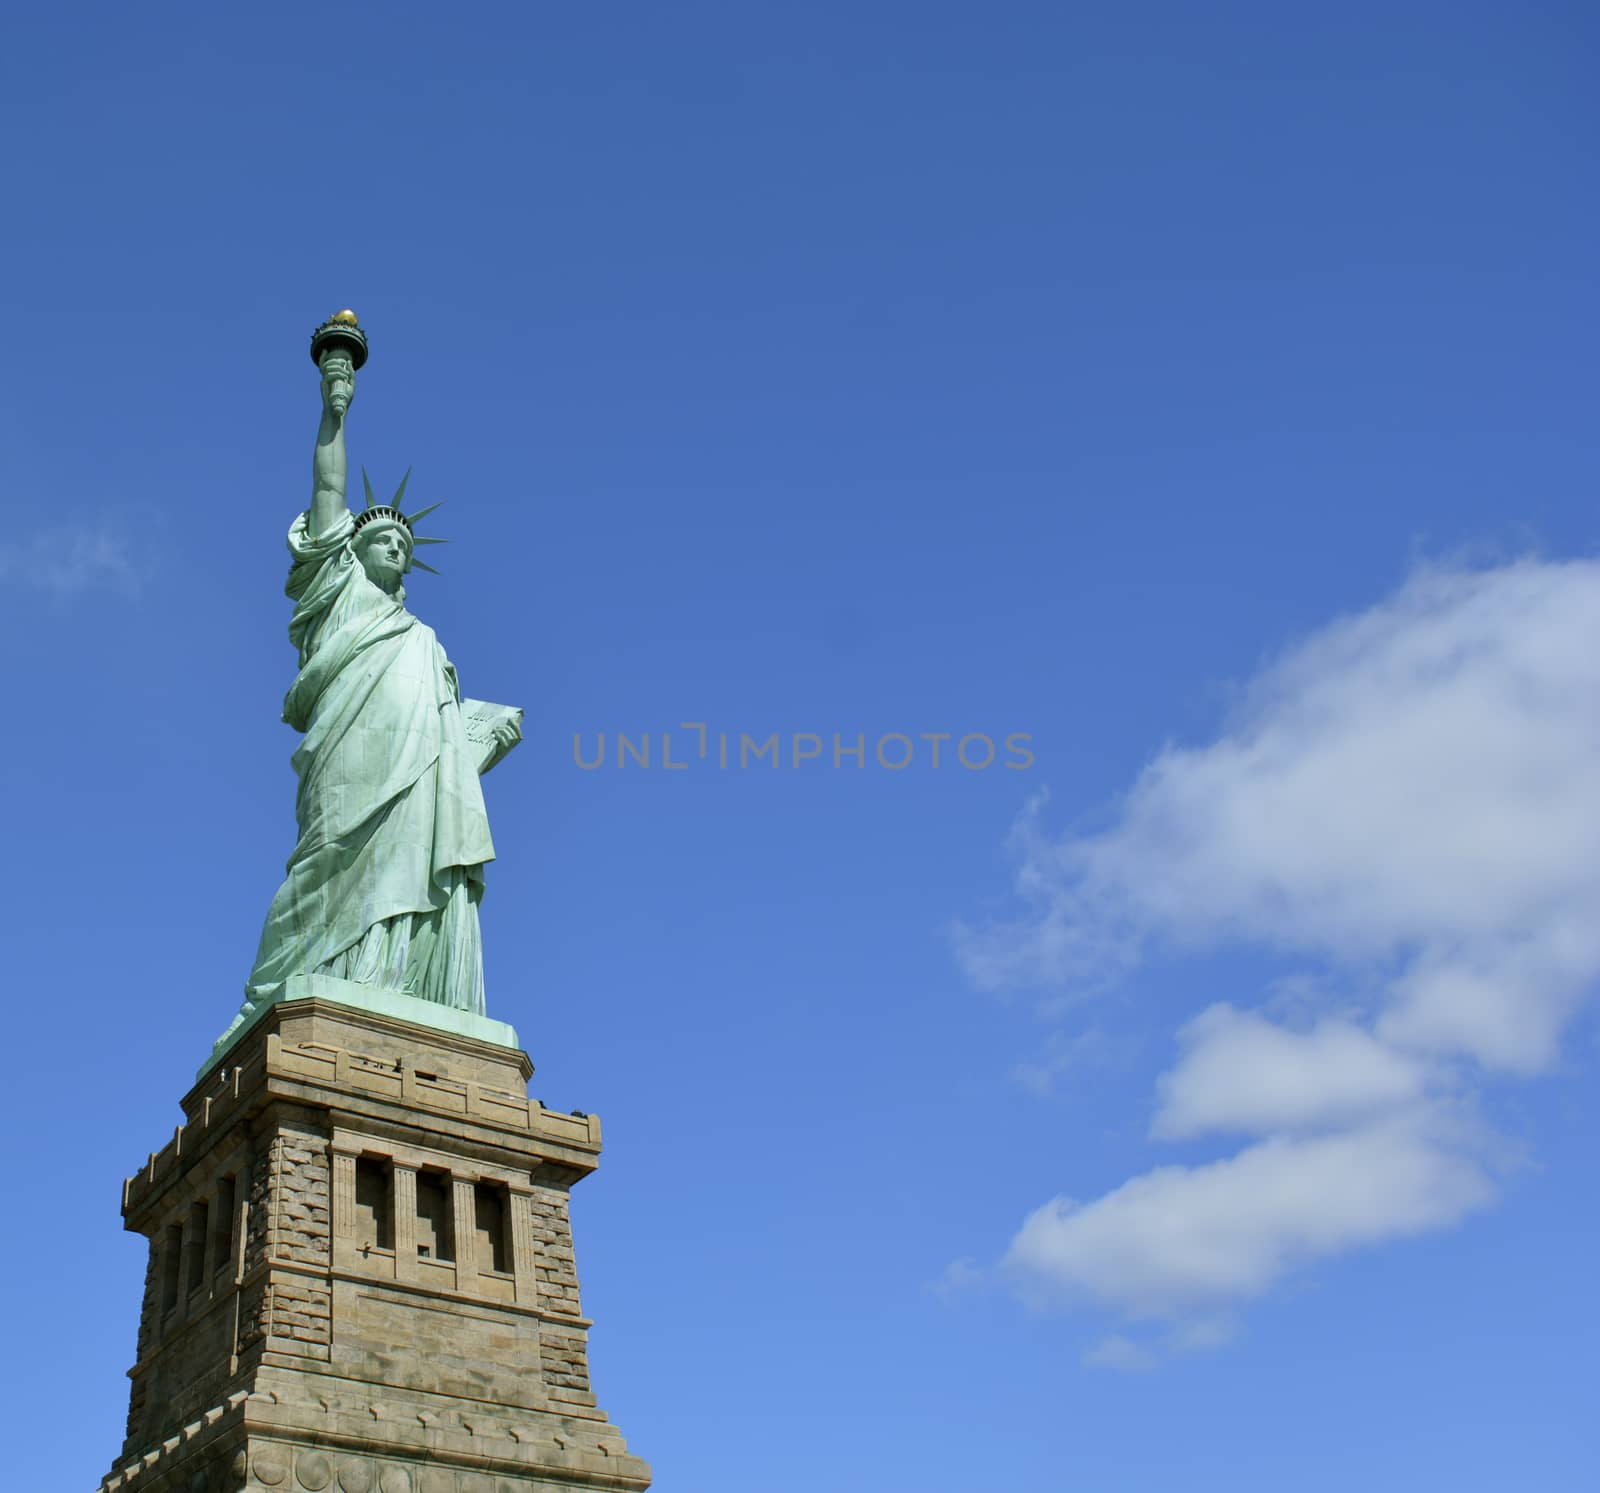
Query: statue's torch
{"points": [[339, 341]]}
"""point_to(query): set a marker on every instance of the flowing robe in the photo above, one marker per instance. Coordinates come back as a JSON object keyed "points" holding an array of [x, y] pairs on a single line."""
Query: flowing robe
{"points": [[384, 884]]}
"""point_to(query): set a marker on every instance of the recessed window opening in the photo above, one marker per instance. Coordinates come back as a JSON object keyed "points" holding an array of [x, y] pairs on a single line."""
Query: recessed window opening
{"points": [[199, 1237], [489, 1220], [223, 1225], [434, 1231], [374, 1204]]}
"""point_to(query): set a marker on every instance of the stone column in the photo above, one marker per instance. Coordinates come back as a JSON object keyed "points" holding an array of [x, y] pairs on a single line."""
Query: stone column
{"points": [[241, 1219], [464, 1221], [150, 1303], [405, 1222], [519, 1202], [344, 1205]]}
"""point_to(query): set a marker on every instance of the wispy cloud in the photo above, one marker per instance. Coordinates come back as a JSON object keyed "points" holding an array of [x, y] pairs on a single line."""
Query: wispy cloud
{"points": [[1063, 1054], [1409, 801], [959, 1278], [75, 559], [1120, 1353]]}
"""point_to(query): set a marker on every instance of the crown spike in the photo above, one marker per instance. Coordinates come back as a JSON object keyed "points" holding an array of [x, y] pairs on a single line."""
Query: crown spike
{"points": [[400, 491], [428, 539], [366, 482], [423, 565], [412, 518]]}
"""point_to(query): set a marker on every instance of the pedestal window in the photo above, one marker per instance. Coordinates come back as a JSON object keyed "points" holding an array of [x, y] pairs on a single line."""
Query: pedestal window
{"points": [[374, 1220]]}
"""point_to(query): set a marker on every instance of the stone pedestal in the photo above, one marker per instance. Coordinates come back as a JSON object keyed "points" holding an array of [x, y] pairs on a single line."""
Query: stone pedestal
{"points": [[361, 1274]]}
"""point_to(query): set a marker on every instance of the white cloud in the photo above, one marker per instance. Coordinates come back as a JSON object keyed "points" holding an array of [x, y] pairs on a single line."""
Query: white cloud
{"points": [[1417, 786], [1242, 1073], [1182, 1241], [72, 559], [1408, 802]]}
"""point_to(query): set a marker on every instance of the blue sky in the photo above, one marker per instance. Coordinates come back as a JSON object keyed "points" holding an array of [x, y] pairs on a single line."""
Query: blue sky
{"points": [[1206, 392]]}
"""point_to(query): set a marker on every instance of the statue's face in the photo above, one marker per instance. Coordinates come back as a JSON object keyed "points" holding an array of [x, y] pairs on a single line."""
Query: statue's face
{"points": [[384, 551]]}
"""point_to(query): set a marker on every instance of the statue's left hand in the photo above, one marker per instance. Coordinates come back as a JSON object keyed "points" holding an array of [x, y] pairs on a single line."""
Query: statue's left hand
{"points": [[502, 737]]}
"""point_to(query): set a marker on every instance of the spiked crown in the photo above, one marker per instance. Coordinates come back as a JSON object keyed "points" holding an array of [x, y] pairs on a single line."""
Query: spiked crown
{"points": [[390, 513]]}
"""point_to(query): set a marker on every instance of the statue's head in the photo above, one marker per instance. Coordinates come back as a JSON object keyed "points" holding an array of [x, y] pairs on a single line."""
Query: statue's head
{"points": [[383, 547], [385, 537]]}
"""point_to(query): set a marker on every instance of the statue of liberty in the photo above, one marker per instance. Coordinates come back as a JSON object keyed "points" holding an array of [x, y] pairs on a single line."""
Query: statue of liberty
{"points": [[384, 884]]}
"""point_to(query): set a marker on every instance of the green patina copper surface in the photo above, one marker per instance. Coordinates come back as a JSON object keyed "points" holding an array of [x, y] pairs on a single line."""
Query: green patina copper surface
{"points": [[383, 887]]}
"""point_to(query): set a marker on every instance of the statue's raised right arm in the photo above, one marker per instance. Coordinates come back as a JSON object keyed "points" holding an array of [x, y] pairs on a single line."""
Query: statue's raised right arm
{"points": [[328, 465]]}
